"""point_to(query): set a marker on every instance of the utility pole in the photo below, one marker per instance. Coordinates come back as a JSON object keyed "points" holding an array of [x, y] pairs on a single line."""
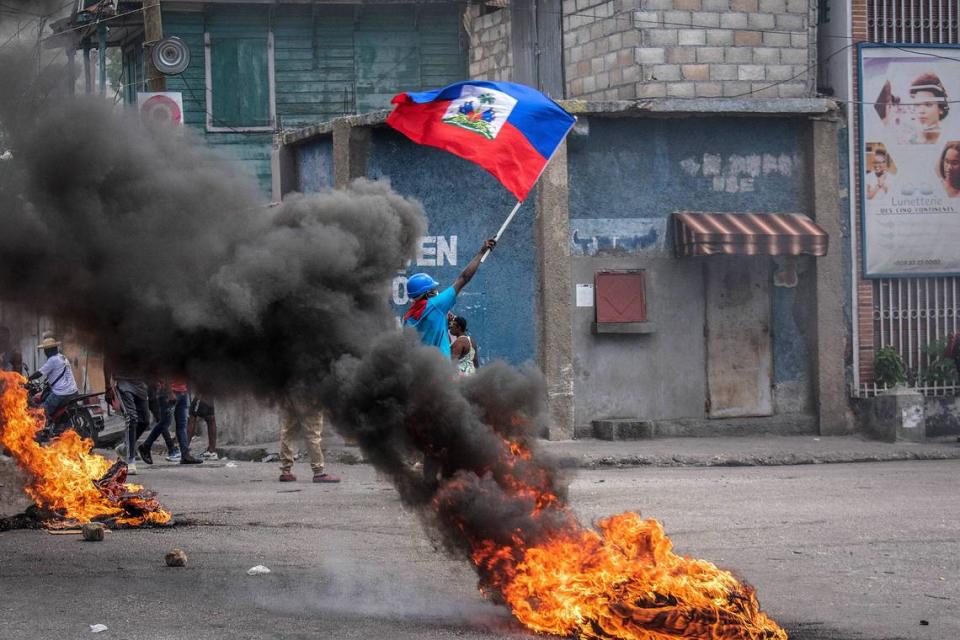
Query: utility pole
{"points": [[152, 33]]}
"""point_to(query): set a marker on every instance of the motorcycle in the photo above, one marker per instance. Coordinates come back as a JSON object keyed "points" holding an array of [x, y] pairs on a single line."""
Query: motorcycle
{"points": [[82, 413]]}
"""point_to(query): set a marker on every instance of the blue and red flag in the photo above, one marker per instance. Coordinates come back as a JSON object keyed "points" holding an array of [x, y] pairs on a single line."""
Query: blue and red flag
{"points": [[508, 129]]}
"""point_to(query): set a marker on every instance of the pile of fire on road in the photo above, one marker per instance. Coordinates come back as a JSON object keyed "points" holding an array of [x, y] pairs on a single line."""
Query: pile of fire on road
{"points": [[620, 580], [69, 484]]}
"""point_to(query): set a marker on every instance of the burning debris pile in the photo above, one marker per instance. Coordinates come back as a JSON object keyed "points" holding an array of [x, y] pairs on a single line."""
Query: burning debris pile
{"points": [[621, 581], [169, 265], [501, 504], [69, 484]]}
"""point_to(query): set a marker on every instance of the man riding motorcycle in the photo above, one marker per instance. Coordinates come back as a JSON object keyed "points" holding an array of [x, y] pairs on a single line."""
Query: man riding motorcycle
{"points": [[59, 375]]}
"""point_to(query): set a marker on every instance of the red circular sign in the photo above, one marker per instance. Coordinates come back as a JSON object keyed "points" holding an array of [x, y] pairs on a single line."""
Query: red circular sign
{"points": [[162, 109]]}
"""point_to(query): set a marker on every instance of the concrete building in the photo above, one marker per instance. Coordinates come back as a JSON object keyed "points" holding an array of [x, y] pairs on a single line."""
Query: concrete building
{"points": [[683, 106], [752, 337]]}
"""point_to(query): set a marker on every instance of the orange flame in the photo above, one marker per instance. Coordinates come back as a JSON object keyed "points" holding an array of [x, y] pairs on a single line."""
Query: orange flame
{"points": [[61, 475], [621, 580]]}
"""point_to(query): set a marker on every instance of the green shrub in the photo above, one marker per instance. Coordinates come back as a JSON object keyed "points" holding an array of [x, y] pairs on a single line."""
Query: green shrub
{"points": [[888, 367], [940, 370]]}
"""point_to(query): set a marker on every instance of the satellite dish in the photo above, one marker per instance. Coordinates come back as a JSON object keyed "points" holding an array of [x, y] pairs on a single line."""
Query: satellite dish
{"points": [[170, 56]]}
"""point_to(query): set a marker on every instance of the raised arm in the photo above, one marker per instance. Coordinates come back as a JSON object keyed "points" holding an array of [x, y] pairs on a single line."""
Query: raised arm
{"points": [[468, 272]]}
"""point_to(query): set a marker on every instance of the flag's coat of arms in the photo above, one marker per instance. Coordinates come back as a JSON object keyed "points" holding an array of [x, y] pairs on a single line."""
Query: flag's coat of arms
{"points": [[481, 110], [507, 128]]}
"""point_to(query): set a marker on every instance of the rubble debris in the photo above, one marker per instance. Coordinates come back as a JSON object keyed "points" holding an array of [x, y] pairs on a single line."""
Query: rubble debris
{"points": [[97, 628], [258, 570], [93, 531], [176, 558]]}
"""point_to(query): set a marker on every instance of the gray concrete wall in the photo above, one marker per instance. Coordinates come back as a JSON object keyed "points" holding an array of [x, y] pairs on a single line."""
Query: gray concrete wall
{"points": [[942, 416], [794, 319], [552, 233], [660, 375], [627, 176], [832, 335]]}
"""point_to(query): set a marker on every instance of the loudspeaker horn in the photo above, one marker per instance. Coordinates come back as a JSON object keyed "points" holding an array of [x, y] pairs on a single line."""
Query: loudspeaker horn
{"points": [[170, 56]]}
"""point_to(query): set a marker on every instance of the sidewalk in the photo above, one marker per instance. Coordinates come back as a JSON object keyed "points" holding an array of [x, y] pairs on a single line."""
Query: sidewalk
{"points": [[764, 450], [743, 451]]}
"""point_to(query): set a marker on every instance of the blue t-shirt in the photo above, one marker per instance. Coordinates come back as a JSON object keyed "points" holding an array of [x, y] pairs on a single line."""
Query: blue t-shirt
{"points": [[432, 324]]}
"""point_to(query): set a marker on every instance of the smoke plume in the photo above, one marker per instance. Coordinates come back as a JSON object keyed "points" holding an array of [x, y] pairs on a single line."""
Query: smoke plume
{"points": [[167, 262]]}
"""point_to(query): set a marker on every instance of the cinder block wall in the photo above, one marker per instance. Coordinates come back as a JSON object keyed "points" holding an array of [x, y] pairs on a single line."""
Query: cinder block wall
{"points": [[626, 49], [490, 56]]}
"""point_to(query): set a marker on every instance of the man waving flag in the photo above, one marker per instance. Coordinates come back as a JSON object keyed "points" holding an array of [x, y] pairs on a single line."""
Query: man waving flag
{"points": [[507, 128]]}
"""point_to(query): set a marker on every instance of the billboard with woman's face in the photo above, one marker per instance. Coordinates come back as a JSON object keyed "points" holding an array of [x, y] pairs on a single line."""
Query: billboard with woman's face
{"points": [[910, 160]]}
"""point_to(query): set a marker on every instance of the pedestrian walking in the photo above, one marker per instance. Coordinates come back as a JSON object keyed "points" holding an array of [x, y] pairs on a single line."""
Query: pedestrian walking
{"points": [[173, 405], [429, 309], [296, 418], [204, 409], [133, 396], [463, 349], [160, 409]]}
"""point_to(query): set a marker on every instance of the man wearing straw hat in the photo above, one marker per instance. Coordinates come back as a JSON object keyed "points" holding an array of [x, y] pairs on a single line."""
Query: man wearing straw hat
{"points": [[58, 373]]}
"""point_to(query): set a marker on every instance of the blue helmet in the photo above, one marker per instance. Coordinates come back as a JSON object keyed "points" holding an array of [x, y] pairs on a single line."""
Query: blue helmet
{"points": [[419, 284]]}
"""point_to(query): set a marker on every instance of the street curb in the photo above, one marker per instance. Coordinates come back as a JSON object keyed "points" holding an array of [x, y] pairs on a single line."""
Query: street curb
{"points": [[850, 453], [772, 460]]}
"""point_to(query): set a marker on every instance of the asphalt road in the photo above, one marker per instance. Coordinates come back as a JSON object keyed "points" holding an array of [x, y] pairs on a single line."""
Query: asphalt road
{"points": [[847, 551]]}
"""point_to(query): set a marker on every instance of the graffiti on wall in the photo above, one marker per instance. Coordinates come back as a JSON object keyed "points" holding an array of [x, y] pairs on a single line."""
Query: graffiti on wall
{"points": [[736, 173], [616, 236], [433, 251]]}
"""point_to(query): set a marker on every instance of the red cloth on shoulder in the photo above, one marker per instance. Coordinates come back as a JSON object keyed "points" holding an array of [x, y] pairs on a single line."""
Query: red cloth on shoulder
{"points": [[415, 310]]}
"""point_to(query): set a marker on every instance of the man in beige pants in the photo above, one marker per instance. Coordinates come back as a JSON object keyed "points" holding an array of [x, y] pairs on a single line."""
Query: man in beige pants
{"points": [[296, 418]]}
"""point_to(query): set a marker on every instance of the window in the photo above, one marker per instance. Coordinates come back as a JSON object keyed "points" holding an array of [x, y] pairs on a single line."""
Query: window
{"points": [[915, 22], [239, 73]]}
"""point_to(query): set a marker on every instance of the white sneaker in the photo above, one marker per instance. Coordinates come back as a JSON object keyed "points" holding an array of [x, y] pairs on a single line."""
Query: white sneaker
{"points": [[132, 469], [173, 457], [209, 455]]}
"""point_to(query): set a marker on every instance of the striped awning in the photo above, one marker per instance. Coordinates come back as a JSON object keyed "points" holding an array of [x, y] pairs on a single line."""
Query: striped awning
{"points": [[748, 234]]}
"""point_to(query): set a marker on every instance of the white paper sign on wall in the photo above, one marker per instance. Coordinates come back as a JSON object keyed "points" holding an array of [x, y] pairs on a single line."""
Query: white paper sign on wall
{"points": [[584, 295]]}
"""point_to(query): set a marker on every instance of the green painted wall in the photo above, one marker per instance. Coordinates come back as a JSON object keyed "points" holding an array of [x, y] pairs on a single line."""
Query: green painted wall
{"points": [[250, 151], [329, 60]]}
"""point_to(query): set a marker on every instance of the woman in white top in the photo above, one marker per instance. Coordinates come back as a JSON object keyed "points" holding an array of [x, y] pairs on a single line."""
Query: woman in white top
{"points": [[463, 350]]}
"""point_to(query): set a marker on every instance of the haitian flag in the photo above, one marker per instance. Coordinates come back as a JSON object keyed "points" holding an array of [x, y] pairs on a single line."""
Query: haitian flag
{"points": [[507, 128]]}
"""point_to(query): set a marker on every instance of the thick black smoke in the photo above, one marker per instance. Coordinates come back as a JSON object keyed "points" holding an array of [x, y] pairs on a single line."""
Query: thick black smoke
{"points": [[172, 263], [168, 262]]}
